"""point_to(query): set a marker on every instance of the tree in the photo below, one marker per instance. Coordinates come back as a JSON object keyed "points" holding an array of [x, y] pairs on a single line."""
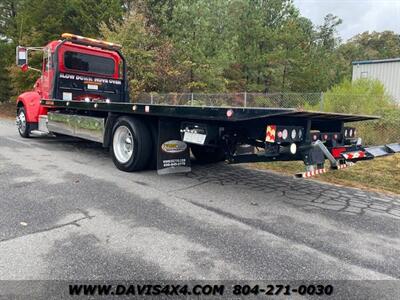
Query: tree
{"points": [[37, 22], [327, 33], [148, 55], [137, 40], [366, 46], [323, 68], [43, 20], [9, 10], [196, 29], [5, 49], [85, 16]]}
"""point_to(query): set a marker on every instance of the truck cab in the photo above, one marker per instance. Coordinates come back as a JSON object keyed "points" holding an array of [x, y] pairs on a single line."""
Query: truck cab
{"points": [[75, 68]]}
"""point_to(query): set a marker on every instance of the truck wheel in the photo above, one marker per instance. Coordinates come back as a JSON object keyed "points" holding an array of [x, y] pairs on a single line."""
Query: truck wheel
{"points": [[24, 127], [204, 154], [131, 144]]}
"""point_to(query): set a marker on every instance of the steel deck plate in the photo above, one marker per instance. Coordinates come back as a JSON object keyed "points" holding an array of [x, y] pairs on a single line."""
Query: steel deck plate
{"points": [[394, 147], [377, 151]]}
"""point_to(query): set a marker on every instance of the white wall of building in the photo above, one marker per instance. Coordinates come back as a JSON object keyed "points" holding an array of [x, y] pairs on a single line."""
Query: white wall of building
{"points": [[386, 71]]}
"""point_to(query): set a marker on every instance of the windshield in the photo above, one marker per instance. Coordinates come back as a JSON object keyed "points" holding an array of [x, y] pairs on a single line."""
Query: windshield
{"points": [[89, 63]]}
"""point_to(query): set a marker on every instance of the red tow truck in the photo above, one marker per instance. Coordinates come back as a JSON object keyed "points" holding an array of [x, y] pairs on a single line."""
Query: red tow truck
{"points": [[83, 92]]}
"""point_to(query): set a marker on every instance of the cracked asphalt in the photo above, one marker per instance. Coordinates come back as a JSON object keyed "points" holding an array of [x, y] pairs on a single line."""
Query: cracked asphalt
{"points": [[68, 213]]}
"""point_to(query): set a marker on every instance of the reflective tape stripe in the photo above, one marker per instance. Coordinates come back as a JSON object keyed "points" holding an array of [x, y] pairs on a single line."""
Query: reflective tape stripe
{"points": [[322, 171], [353, 155], [270, 134], [312, 173], [343, 166]]}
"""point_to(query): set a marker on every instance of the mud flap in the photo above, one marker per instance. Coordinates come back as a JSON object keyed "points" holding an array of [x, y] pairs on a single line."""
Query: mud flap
{"points": [[173, 154]]}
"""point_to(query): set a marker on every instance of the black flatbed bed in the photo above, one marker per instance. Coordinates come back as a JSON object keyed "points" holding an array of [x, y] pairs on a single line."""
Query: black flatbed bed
{"points": [[210, 113]]}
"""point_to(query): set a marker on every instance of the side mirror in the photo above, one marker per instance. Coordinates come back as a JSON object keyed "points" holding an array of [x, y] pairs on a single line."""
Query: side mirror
{"points": [[22, 57]]}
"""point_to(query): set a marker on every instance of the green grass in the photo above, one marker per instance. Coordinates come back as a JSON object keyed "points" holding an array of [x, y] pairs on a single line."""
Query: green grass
{"points": [[381, 174]]}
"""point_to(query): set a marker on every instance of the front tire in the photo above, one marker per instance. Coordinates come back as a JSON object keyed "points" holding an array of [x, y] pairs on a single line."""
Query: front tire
{"points": [[131, 144], [24, 127]]}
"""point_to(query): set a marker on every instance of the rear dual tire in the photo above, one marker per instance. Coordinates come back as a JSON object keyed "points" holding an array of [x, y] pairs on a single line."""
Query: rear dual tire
{"points": [[131, 144]]}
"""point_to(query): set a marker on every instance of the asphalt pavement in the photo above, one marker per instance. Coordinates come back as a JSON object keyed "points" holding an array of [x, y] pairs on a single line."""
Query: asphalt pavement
{"points": [[67, 213]]}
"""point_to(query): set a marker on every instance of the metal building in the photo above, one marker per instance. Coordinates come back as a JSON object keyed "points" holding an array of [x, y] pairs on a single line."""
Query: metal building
{"points": [[386, 71]]}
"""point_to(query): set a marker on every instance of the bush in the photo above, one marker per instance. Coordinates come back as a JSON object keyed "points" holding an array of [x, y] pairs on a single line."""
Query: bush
{"points": [[383, 131], [363, 96], [366, 96]]}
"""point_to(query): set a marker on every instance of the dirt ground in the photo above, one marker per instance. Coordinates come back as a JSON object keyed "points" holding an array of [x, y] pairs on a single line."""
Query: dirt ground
{"points": [[7, 110], [381, 174]]}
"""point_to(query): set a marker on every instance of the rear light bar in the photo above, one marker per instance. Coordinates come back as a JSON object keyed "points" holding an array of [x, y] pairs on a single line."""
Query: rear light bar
{"points": [[315, 135], [337, 151], [349, 132], [325, 136], [284, 134], [94, 42], [330, 136]]}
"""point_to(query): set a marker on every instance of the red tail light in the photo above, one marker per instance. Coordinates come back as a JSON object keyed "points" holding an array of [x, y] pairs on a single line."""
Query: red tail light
{"points": [[337, 151]]}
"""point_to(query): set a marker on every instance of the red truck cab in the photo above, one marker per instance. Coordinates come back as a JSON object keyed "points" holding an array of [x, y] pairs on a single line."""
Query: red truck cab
{"points": [[75, 68]]}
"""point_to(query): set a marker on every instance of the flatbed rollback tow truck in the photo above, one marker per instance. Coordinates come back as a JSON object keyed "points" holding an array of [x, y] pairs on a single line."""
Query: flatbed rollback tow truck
{"points": [[83, 92]]}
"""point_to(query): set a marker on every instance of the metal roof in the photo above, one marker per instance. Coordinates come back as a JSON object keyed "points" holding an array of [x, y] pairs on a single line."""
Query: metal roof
{"points": [[375, 61]]}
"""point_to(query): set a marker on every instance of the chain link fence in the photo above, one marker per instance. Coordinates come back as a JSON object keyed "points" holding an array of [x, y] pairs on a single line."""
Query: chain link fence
{"points": [[284, 100], [385, 130]]}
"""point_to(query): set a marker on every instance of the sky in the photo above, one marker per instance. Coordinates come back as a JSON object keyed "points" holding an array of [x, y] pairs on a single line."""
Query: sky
{"points": [[357, 15]]}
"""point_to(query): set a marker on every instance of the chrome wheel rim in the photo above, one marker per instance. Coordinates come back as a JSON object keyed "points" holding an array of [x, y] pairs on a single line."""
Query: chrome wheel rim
{"points": [[123, 144], [21, 122]]}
